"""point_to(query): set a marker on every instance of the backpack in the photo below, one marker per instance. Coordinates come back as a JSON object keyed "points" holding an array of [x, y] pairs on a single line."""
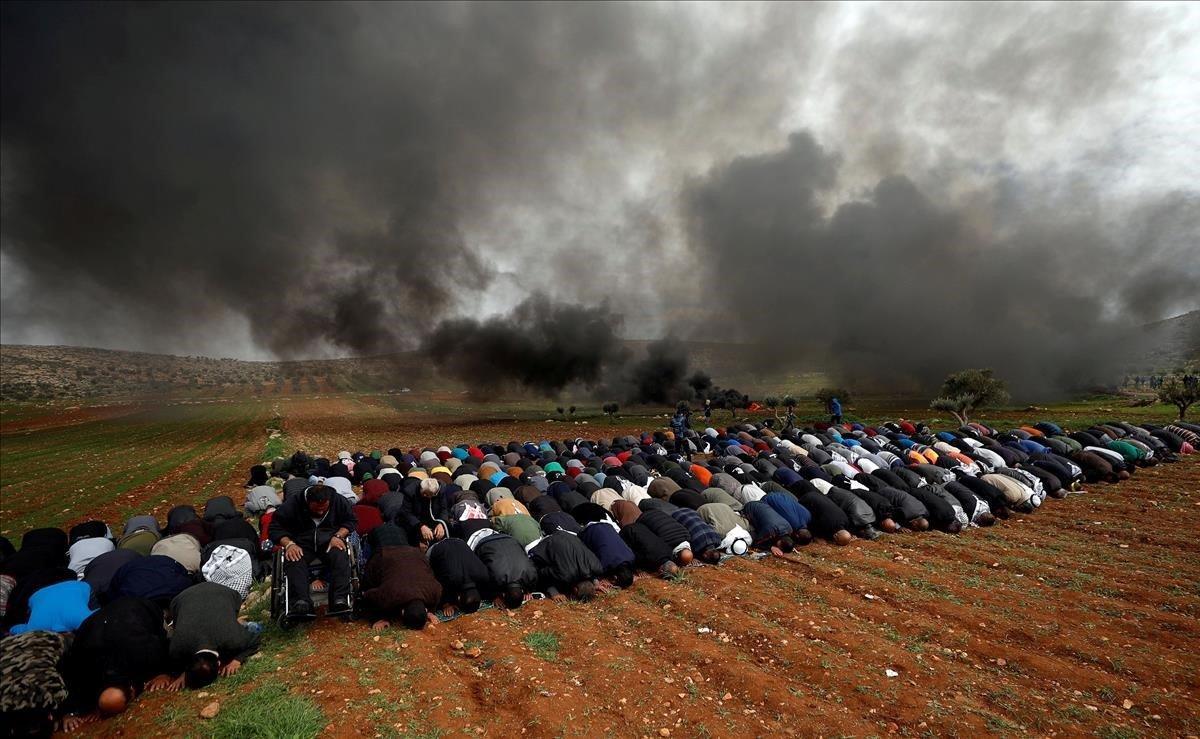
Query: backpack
{"points": [[230, 566]]}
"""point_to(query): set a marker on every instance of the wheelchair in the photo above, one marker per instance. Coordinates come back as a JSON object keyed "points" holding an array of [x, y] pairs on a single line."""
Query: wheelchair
{"points": [[280, 606]]}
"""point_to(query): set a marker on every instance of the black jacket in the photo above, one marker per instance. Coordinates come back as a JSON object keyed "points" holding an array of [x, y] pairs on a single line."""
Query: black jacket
{"points": [[507, 562], [563, 560], [457, 568], [293, 520], [420, 511]]}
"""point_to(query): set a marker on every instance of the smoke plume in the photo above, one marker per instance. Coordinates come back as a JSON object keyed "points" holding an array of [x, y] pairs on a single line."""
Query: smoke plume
{"points": [[894, 288], [541, 346], [890, 192]]}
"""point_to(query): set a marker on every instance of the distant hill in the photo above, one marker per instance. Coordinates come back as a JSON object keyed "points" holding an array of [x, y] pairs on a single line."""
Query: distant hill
{"points": [[1166, 344], [48, 372], [64, 372]]}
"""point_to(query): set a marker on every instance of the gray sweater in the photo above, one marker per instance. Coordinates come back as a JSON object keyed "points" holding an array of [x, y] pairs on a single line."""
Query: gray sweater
{"points": [[205, 617]]}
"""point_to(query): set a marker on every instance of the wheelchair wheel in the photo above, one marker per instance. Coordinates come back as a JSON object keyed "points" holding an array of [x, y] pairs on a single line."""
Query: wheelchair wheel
{"points": [[278, 590]]}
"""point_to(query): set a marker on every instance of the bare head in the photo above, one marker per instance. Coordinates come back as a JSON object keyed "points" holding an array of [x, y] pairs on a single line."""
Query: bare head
{"points": [[919, 524], [112, 701], [684, 557], [584, 590], [842, 537]]}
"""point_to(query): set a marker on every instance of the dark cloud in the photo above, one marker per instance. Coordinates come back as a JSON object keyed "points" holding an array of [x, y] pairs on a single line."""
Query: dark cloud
{"points": [[971, 184], [312, 169], [542, 346], [895, 289]]}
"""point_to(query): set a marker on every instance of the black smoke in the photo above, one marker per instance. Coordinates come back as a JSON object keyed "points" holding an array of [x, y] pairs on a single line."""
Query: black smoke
{"points": [[332, 178], [658, 378], [542, 346], [894, 289], [294, 180]]}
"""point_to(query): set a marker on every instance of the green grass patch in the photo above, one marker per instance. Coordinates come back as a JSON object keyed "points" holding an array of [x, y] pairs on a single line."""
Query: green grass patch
{"points": [[277, 446], [544, 644], [269, 712]]}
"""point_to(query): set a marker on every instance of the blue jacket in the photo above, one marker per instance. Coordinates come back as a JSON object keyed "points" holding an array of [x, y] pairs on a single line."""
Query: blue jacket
{"points": [[765, 523], [786, 505], [607, 545], [155, 577], [59, 607]]}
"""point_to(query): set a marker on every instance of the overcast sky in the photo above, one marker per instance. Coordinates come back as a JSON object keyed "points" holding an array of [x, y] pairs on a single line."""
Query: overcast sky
{"points": [[271, 180]]}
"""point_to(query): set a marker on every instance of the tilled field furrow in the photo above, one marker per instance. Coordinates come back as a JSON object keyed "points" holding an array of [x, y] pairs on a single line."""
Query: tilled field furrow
{"points": [[928, 590], [129, 487]]}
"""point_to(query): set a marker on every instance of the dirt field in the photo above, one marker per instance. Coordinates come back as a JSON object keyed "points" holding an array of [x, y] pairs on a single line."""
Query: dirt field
{"points": [[1081, 619]]}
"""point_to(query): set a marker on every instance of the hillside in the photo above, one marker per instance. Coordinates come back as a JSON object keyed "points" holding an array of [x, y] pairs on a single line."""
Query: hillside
{"points": [[62, 372], [50, 372], [1166, 344]]}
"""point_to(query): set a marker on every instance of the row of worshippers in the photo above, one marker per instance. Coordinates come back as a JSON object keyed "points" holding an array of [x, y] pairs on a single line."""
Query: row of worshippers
{"points": [[447, 530]]}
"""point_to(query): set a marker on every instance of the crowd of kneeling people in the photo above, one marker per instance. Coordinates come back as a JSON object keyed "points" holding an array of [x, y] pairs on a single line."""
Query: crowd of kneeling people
{"points": [[92, 618]]}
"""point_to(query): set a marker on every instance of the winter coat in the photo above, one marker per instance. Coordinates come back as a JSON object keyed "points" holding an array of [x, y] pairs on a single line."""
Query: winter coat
{"points": [[101, 570], [605, 541], [522, 528], [786, 505], [563, 560], [122, 644], [205, 617], [457, 568], [220, 508], [941, 513], [154, 577], [700, 535], [879, 505], [855, 508], [559, 521], [651, 551], [765, 524], [722, 518], [717, 495], [293, 520], [396, 576], [421, 511], [505, 559], [673, 533], [827, 517]]}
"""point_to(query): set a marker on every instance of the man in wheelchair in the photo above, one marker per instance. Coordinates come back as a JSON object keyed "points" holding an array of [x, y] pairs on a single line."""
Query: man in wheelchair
{"points": [[313, 528]]}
